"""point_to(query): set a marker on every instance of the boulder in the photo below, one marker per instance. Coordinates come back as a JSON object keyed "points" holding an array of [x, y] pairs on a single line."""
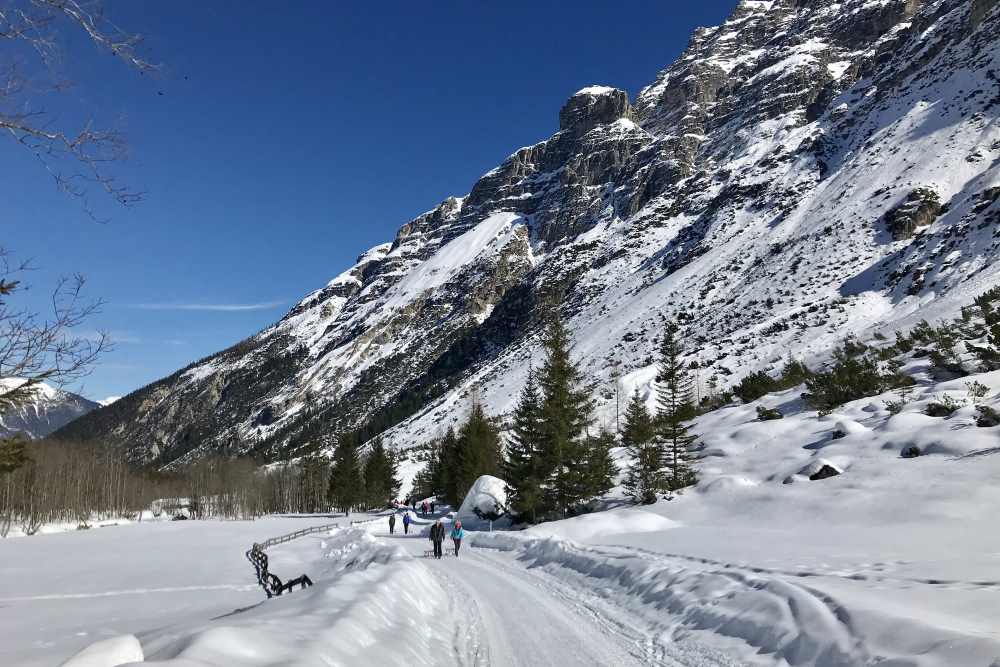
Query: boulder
{"points": [[824, 472], [987, 417], [919, 209]]}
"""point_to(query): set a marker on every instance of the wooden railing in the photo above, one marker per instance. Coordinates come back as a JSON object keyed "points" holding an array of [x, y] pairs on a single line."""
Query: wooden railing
{"points": [[260, 546]]}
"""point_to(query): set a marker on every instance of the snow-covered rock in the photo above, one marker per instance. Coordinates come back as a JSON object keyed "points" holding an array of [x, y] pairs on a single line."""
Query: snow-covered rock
{"points": [[487, 497]]}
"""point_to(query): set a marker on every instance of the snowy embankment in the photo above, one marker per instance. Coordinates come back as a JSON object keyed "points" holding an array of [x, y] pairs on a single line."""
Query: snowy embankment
{"points": [[895, 561], [186, 592]]}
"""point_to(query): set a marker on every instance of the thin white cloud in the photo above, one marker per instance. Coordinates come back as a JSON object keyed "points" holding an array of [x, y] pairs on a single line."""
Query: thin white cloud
{"points": [[112, 336], [212, 307]]}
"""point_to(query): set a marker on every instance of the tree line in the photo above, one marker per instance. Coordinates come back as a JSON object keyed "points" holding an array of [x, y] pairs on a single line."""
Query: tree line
{"points": [[57, 482], [553, 459]]}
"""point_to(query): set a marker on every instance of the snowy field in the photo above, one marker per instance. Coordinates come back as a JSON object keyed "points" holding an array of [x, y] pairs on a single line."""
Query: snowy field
{"points": [[894, 562]]}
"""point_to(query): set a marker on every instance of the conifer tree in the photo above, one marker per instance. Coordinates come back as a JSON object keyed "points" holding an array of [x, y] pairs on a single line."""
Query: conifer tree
{"points": [[347, 486], [477, 452], [522, 465], [427, 482], [450, 462], [674, 407], [645, 478], [601, 468], [381, 482], [565, 414]]}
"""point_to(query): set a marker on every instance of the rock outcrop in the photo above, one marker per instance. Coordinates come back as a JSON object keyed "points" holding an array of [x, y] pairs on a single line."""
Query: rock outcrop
{"points": [[745, 193]]}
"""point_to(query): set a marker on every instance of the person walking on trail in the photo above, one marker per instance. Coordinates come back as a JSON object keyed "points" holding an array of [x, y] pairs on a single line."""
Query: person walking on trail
{"points": [[456, 536], [432, 506], [392, 524], [423, 508], [406, 523], [437, 537]]}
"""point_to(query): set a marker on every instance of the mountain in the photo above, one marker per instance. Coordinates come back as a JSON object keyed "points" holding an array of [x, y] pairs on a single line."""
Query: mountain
{"points": [[803, 171], [49, 410]]}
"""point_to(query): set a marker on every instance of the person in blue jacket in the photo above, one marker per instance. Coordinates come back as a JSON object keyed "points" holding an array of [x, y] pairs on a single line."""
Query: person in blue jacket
{"points": [[456, 536], [406, 523]]}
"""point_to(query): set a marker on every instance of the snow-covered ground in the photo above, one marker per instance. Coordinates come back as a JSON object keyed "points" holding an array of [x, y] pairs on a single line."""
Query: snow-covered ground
{"points": [[895, 561]]}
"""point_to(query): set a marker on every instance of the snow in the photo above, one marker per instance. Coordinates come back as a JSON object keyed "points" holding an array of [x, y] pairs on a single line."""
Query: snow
{"points": [[488, 495], [891, 562], [837, 69], [595, 90], [489, 236], [108, 401], [108, 653], [602, 525]]}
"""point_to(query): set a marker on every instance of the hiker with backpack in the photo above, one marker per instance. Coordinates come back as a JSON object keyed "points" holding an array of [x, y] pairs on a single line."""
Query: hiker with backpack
{"points": [[406, 523]]}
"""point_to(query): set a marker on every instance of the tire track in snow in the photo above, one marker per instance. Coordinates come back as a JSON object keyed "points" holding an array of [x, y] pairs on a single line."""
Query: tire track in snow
{"points": [[653, 647], [511, 620]]}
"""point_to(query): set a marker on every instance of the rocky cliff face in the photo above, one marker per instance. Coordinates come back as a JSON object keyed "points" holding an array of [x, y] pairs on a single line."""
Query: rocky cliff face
{"points": [[769, 189]]}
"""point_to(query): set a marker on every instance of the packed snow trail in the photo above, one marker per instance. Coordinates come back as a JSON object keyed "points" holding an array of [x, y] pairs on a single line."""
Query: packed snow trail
{"points": [[517, 617]]}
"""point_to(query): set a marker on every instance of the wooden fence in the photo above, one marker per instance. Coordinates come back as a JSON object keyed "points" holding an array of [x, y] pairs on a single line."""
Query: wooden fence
{"points": [[260, 546]]}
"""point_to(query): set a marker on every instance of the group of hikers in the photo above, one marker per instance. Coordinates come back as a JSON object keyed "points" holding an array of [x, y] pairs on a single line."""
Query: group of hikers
{"points": [[437, 532], [406, 523]]}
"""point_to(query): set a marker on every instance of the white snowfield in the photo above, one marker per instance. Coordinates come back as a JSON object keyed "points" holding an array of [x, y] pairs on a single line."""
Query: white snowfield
{"points": [[894, 562]]}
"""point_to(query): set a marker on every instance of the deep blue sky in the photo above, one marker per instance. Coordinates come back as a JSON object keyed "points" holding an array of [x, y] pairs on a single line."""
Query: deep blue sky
{"points": [[286, 138]]}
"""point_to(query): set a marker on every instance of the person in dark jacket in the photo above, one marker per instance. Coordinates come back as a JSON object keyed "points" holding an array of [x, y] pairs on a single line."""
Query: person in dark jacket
{"points": [[456, 536], [406, 523], [392, 523], [432, 506], [437, 537]]}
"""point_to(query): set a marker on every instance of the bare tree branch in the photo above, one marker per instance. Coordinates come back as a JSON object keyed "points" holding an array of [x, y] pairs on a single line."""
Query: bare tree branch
{"points": [[77, 160], [35, 349]]}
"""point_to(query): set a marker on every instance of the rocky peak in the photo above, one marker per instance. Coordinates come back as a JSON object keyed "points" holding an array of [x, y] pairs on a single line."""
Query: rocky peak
{"points": [[593, 106]]}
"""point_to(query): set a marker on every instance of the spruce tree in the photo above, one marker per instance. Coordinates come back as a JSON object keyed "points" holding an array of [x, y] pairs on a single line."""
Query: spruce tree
{"points": [[522, 464], [381, 483], [674, 407], [564, 417], [645, 477], [347, 486], [477, 452], [450, 463], [601, 467], [427, 482]]}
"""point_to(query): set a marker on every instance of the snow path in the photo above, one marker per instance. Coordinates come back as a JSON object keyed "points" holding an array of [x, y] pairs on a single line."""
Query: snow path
{"points": [[519, 616], [513, 611]]}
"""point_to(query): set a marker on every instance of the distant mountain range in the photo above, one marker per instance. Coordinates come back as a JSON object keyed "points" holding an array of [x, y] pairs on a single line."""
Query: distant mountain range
{"points": [[48, 411], [803, 171]]}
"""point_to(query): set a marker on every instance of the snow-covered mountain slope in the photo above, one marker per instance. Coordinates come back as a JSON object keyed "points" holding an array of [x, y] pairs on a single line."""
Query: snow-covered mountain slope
{"points": [[803, 171], [49, 410]]}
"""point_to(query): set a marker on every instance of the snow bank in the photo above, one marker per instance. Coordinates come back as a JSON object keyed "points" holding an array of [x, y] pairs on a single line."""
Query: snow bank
{"points": [[487, 496], [602, 524], [108, 653], [371, 604], [793, 623]]}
